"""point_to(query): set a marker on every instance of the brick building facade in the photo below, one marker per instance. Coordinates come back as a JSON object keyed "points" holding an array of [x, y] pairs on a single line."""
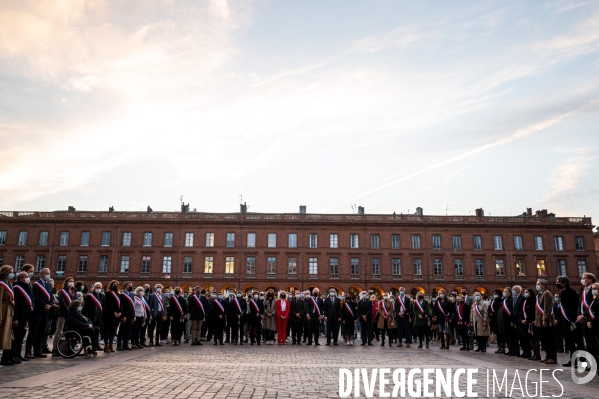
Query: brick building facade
{"points": [[283, 251]]}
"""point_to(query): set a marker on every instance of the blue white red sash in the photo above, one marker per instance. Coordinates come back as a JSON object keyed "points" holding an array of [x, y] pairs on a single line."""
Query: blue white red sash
{"points": [[478, 312], [96, 301], [524, 310], [584, 300], [143, 303], [349, 309], [66, 296], [41, 287], [160, 300], [129, 299], [176, 300], [315, 305], [199, 302], [116, 297], [255, 306], [491, 305], [237, 304], [505, 308], [561, 309], [441, 308], [8, 289], [402, 304], [460, 318], [25, 294], [591, 310], [384, 308], [539, 307], [219, 305]]}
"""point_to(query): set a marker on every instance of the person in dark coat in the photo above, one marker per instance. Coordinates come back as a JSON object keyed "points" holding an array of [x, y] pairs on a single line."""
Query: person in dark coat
{"points": [[364, 314], [75, 320], [196, 306], [23, 311], [314, 314], [256, 309], [177, 314], [127, 316], [506, 326], [463, 320], [332, 316], [566, 317], [111, 314], [403, 312], [349, 314], [297, 317], [442, 315], [218, 314], [92, 308]]}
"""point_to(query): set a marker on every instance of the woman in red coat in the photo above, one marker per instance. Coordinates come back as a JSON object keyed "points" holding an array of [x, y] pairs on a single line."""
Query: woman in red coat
{"points": [[282, 315]]}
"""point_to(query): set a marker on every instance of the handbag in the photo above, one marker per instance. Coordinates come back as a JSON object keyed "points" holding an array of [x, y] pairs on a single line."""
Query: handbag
{"points": [[434, 327], [493, 338]]}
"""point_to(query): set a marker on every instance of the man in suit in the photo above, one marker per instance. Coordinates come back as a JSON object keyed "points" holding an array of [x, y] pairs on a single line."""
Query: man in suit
{"points": [[196, 306], [43, 302], [241, 318], [314, 314], [403, 311], [297, 316], [332, 316], [567, 312], [521, 329], [256, 311], [365, 318], [128, 309], [22, 315], [233, 315], [156, 302], [587, 280], [544, 321], [218, 314]]}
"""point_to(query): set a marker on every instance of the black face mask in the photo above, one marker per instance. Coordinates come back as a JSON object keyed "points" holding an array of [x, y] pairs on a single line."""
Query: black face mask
{"points": [[177, 292], [115, 287], [420, 297], [559, 286], [147, 290], [130, 289]]}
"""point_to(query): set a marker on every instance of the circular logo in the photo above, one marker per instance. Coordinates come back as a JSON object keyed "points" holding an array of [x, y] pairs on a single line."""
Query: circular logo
{"points": [[583, 362]]}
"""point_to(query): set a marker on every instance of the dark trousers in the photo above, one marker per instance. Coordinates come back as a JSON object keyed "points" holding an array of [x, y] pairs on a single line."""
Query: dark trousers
{"points": [[37, 332], [573, 339], [255, 331], [18, 333], [403, 329], [122, 338], [93, 333], [218, 332], [155, 326], [547, 337], [482, 343], [511, 340], [233, 327], [332, 329], [164, 329], [422, 333], [524, 340], [463, 332], [136, 330], [297, 327], [177, 327], [592, 345], [366, 330], [243, 322], [313, 330]]}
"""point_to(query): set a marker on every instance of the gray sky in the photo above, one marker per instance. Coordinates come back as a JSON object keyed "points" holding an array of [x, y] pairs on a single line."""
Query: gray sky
{"points": [[389, 105]]}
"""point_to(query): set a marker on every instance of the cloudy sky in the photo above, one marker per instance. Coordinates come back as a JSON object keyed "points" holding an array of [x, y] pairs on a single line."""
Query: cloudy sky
{"points": [[389, 105]]}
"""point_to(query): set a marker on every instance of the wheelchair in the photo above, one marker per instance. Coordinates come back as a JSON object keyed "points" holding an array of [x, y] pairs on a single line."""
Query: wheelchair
{"points": [[71, 343]]}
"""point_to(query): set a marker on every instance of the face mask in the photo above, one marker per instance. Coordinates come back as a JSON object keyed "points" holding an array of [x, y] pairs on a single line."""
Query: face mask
{"points": [[333, 295], [213, 295], [255, 296], [538, 287], [98, 290], [364, 296], [220, 297], [505, 294], [477, 298], [30, 274], [11, 276], [302, 296], [147, 290], [583, 281], [514, 293], [559, 286], [262, 297], [79, 309], [463, 292], [168, 294], [434, 300], [130, 289], [451, 299], [401, 292], [297, 297], [177, 292], [70, 284], [556, 299], [441, 296], [230, 294], [420, 298], [115, 288], [27, 280], [47, 277], [238, 295], [526, 295], [159, 290], [495, 296], [596, 292], [347, 299]]}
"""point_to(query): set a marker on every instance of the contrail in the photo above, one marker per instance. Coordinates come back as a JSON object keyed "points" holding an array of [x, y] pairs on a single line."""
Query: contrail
{"points": [[527, 131]]}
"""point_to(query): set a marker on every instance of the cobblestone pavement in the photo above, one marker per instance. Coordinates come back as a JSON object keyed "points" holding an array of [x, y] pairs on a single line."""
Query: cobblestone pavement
{"points": [[256, 372]]}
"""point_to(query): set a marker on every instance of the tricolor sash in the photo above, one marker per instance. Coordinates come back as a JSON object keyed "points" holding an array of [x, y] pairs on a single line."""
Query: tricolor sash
{"points": [[402, 304], [160, 300], [143, 303], [441, 308], [129, 299], [66, 296], [478, 312], [9, 290], [563, 312], [255, 306], [95, 300], [25, 294], [116, 297], [524, 310], [315, 305], [349, 309], [219, 305], [540, 307], [41, 287], [460, 318], [237, 304], [584, 300], [491, 305], [591, 310], [420, 308], [199, 302], [384, 308], [176, 300], [506, 309]]}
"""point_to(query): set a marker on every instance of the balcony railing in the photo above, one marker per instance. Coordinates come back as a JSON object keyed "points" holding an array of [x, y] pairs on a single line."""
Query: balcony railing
{"points": [[123, 274], [187, 275], [521, 277], [81, 274], [376, 276], [438, 277], [458, 277], [271, 275], [480, 277], [334, 276], [396, 277], [208, 275], [100, 274], [229, 275], [354, 276], [418, 277], [500, 277], [292, 275], [144, 274], [313, 276], [250, 275]]}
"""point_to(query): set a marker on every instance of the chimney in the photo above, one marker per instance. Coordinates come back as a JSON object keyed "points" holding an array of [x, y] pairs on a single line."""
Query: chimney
{"points": [[243, 208], [71, 209], [419, 211], [303, 209], [111, 209], [184, 208], [480, 212], [149, 210], [529, 212], [544, 213], [360, 210]]}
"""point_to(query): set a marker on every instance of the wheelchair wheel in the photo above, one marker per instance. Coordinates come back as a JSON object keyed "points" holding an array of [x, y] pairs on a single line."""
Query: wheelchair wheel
{"points": [[70, 344]]}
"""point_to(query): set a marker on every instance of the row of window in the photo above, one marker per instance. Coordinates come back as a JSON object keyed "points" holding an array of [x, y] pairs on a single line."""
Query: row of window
{"points": [[271, 265], [292, 240]]}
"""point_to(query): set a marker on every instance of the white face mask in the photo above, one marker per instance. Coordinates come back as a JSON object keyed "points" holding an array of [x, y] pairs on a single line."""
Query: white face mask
{"points": [[27, 280], [98, 290], [70, 284], [596, 292], [583, 282], [159, 290]]}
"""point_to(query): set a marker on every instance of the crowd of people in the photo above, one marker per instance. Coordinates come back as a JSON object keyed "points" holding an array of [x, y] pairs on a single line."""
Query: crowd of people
{"points": [[523, 322]]}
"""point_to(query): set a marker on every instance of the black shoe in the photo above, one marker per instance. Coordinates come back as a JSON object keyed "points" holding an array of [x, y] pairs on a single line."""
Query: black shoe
{"points": [[221, 343], [46, 350], [16, 360], [328, 344], [383, 343], [127, 348], [193, 344], [317, 344], [370, 344], [151, 343], [23, 359], [199, 343], [334, 343], [363, 344], [158, 344], [41, 355], [7, 363], [119, 348], [299, 343], [216, 343], [419, 346]]}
